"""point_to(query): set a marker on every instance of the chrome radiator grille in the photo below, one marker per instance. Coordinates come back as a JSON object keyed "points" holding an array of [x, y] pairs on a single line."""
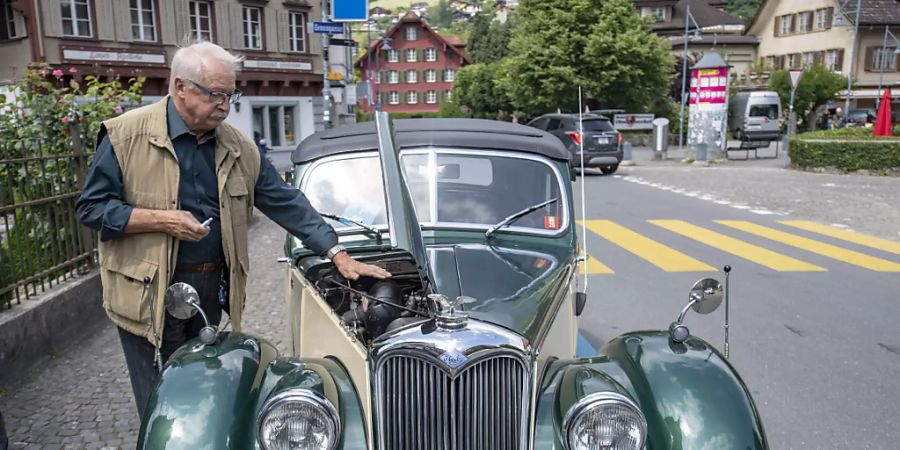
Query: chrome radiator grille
{"points": [[422, 407]]}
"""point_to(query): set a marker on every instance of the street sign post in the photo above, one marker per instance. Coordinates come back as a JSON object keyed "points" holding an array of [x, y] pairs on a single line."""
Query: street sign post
{"points": [[349, 10], [795, 77], [342, 42], [328, 28], [795, 80]]}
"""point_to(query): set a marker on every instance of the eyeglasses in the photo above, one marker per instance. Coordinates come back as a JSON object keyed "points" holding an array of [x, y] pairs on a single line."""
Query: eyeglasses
{"points": [[218, 97]]}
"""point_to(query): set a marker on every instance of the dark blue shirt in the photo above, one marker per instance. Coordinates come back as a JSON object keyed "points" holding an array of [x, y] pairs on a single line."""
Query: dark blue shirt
{"points": [[101, 205]]}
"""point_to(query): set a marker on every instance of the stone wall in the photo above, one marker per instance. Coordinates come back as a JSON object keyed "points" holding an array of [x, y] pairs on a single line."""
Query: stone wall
{"points": [[32, 331]]}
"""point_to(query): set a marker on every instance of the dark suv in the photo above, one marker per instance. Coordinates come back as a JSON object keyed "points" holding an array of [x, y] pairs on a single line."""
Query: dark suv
{"points": [[602, 143], [860, 117]]}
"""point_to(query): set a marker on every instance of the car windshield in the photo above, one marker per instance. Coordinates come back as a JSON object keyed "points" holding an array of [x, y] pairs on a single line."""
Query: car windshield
{"points": [[449, 189], [768, 111]]}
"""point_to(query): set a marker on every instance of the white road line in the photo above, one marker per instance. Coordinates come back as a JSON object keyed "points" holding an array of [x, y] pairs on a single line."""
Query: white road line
{"points": [[710, 198]]}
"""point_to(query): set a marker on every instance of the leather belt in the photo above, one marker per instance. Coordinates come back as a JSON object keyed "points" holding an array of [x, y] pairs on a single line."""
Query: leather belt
{"points": [[209, 267]]}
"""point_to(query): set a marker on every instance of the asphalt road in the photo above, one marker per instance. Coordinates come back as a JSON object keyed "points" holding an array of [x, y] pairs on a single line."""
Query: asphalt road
{"points": [[815, 338], [818, 348]]}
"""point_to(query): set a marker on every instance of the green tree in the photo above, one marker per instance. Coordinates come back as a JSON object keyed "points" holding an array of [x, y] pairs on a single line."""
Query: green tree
{"points": [[817, 86], [440, 15], [488, 38], [632, 68], [476, 89], [610, 51], [546, 60], [745, 9]]}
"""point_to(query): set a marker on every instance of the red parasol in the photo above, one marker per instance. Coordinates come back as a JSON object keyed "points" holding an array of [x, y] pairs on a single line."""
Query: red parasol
{"points": [[883, 122]]}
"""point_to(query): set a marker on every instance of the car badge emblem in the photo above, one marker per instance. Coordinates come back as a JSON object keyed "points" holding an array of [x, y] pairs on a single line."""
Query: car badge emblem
{"points": [[453, 359]]}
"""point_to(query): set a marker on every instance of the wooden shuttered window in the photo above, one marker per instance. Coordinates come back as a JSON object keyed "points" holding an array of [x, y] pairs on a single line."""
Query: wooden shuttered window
{"points": [[819, 58], [870, 59], [777, 30]]}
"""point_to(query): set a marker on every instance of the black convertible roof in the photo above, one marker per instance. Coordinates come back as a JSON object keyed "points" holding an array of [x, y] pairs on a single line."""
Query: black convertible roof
{"points": [[412, 133]]}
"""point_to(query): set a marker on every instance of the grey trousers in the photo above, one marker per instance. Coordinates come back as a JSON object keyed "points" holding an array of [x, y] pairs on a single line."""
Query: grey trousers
{"points": [[139, 353]]}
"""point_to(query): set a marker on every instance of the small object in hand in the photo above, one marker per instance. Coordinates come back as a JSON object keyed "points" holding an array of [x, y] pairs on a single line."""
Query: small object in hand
{"points": [[207, 222]]}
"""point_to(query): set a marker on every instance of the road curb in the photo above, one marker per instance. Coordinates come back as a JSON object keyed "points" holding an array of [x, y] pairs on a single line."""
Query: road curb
{"points": [[50, 322]]}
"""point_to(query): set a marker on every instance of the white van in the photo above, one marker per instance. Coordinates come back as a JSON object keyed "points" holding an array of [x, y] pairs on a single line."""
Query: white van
{"points": [[755, 116]]}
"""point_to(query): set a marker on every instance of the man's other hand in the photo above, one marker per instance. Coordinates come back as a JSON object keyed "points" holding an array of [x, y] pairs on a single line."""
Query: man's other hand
{"points": [[183, 225], [352, 269]]}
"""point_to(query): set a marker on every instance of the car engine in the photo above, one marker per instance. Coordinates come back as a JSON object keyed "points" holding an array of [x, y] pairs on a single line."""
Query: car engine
{"points": [[369, 307]]}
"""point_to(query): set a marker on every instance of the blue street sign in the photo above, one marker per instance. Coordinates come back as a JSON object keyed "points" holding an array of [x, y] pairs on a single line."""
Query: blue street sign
{"points": [[349, 10], [328, 27]]}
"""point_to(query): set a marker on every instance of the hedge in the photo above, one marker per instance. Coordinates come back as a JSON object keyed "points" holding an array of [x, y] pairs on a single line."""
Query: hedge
{"points": [[878, 155], [851, 133]]}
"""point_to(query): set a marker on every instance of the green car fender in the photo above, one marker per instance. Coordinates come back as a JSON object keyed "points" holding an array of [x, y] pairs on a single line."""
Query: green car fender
{"points": [[210, 396], [690, 395]]}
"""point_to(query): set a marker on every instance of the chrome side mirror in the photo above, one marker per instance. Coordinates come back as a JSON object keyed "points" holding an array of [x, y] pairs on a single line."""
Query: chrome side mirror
{"points": [[180, 301], [704, 298], [183, 302]]}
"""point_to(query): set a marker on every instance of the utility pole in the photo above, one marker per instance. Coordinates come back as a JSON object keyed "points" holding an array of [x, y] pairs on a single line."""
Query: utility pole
{"points": [[326, 113], [795, 80]]}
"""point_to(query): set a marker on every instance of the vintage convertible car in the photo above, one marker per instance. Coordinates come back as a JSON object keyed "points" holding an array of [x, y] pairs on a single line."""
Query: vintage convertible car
{"points": [[472, 344]]}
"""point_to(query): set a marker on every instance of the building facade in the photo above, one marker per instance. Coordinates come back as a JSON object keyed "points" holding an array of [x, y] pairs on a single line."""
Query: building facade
{"points": [[411, 68], [282, 75], [719, 31], [795, 34]]}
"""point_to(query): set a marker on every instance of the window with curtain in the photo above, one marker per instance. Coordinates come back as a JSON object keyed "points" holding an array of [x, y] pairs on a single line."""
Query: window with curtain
{"points": [[200, 14], [252, 18], [297, 31], [76, 18], [143, 20]]}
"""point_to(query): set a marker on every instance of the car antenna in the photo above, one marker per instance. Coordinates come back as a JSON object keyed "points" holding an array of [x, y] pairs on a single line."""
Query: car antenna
{"points": [[581, 297], [727, 270]]}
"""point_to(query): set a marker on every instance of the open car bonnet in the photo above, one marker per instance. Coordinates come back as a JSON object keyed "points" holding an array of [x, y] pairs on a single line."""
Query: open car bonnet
{"points": [[402, 221]]}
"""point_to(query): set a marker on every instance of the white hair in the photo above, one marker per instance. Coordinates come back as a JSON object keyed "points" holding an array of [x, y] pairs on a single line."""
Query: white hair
{"points": [[189, 62]]}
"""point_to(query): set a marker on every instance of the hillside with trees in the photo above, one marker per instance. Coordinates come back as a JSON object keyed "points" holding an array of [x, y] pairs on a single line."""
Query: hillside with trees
{"points": [[745, 9]]}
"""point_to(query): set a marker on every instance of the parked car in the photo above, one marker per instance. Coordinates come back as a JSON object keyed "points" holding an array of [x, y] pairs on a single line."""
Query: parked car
{"points": [[472, 344], [602, 143], [861, 117], [755, 116]]}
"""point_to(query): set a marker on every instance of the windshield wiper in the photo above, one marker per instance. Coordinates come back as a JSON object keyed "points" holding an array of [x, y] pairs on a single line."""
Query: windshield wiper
{"points": [[369, 228], [509, 220]]}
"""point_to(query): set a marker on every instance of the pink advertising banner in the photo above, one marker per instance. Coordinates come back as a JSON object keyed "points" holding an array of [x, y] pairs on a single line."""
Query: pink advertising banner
{"points": [[709, 86]]}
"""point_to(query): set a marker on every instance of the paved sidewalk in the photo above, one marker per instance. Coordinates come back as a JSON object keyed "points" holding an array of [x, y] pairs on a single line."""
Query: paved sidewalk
{"points": [[643, 156], [82, 399]]}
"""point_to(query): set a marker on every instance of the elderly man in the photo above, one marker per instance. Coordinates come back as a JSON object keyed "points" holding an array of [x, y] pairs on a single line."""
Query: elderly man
{"points": [[170, 190]]}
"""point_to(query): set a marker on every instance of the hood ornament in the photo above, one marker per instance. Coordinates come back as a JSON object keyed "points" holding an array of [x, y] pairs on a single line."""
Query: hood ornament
{"points": [[450, 316]]}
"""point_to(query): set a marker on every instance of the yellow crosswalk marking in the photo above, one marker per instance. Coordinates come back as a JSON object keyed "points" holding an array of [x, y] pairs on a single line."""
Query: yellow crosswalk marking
{"points": [[662, 256], [821, 248], [850, 236], [745, 250], [595, 267]]}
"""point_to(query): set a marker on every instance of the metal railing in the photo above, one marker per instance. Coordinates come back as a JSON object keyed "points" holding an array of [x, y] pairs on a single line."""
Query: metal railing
{"points": [[42, 243]]}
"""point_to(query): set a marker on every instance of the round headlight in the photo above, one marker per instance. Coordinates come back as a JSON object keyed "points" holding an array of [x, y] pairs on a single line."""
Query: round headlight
{"points": [[298, 419], [605, 421]]}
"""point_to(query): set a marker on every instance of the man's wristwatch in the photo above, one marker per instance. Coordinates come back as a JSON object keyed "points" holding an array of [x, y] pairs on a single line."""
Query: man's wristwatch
{"points": [[333, 251]]}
